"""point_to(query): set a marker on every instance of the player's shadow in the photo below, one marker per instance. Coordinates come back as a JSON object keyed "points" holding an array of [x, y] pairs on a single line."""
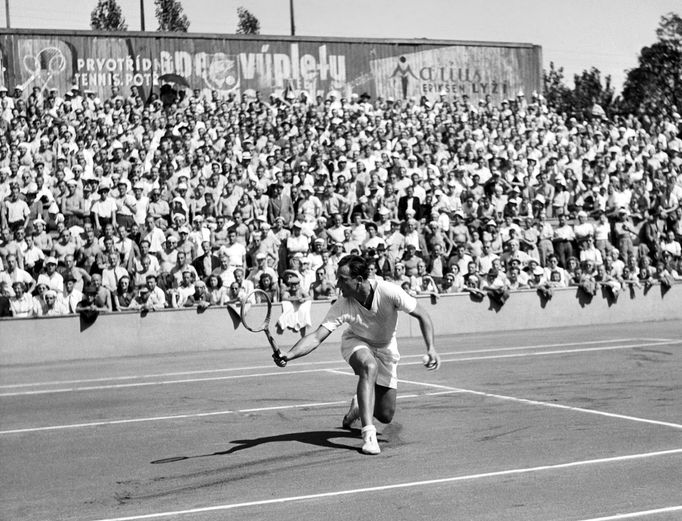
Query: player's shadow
{"points": [[317, 438]]}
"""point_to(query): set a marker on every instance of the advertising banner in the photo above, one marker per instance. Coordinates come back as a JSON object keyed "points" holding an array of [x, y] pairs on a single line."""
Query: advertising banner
{"points": [[401, 69]]}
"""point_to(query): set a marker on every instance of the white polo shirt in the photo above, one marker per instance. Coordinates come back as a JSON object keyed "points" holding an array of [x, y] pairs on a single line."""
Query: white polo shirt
{"points": [[376, 326]]}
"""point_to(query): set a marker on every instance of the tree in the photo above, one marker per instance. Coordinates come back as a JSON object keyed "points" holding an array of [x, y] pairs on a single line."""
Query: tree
{"points": [[589, 91], [170, 16], [248, 23], [107, 16], [655, 85], [556, 92], [670, 30]]}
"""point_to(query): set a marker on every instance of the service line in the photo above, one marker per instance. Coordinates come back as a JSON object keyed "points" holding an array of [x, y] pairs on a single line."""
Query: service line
{"points": [[530, 402], [201, 414]]}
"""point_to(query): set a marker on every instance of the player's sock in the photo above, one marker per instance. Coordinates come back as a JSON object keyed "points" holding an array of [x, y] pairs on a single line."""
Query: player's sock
{"points": [[352, 414], [369, 437]]}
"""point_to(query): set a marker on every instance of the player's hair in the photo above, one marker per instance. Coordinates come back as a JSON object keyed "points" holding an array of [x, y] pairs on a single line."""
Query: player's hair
{"points": [[357, 266]]}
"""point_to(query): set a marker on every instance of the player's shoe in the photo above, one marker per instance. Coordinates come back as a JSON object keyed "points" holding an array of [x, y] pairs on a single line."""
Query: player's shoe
{"points": [[352, 415], [369, 437]]}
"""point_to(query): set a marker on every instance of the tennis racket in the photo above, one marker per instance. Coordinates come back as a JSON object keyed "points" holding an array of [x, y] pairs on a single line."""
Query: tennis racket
{"points": [[255, 315]]}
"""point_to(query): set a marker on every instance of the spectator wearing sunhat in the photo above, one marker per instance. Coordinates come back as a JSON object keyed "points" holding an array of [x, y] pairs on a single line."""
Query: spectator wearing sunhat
{"points": [[103, 210], [54, 279]]}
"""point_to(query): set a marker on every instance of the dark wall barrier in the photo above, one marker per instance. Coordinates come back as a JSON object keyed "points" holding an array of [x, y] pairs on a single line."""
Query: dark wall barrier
{"points": [[25, 341], [226, 63]]}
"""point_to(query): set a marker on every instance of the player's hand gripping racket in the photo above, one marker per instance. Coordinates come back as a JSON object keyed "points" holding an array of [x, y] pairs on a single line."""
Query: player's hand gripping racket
{"points": [[256, 318]]}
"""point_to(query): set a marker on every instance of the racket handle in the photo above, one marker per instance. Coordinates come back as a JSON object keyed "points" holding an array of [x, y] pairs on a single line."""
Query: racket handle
{"points": [[279, 361]]}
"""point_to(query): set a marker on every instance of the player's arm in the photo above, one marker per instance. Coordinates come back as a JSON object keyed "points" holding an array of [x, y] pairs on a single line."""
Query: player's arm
{"points": [[426, 326], [307, 344]]}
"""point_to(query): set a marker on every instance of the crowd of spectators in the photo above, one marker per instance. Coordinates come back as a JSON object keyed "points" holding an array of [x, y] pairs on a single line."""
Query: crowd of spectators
{"points": [[192, 199]]}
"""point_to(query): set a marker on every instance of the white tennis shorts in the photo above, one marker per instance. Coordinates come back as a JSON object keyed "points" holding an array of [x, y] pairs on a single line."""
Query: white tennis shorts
{"points": [[387, 358]]}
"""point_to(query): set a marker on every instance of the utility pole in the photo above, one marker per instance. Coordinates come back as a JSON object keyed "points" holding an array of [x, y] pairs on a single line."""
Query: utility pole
{"points": [[7, 12], [142, 14], [291, 13]]}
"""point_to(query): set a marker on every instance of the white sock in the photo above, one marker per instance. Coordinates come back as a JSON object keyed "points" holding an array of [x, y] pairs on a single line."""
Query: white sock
{"points": [[368, 429]]}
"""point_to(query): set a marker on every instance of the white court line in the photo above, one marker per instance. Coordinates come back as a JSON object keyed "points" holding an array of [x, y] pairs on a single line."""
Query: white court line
{"points": [[633, 515], [277, 373], [412, 484], [201, 414], [247, 368], [530, 402]]}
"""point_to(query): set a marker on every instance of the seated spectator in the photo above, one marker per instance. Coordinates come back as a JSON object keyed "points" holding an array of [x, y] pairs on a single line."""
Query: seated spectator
{"points": [[124, 294], [22, 304], [295, 305], [157, 297], [53, 305], [453, 282], [321, 288], [269, 285], [90, 306]]}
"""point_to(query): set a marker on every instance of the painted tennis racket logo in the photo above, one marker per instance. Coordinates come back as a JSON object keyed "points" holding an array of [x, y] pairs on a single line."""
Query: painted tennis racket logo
{"points": [[256, 309], [45, 65]]}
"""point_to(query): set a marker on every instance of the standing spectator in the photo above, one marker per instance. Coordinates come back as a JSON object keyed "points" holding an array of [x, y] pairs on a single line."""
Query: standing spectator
{"points": [[563, 240]]}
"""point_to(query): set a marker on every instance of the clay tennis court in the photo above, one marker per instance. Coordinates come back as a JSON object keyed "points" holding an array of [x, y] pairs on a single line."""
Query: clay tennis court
{"points": [[556, 424]]}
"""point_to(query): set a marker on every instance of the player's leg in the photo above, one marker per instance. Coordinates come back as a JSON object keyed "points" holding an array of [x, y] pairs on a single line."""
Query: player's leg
{"points": [[384, 403], [364, 365]]}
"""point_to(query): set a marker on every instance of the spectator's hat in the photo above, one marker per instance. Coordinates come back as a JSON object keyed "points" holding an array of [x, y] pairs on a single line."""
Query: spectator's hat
{"points": [[291, 276], [90, 289], [172, 239], [69, 278], [102, 188], [260, 255], [384, 211], [582, 213], [306, 188], [491, 222], [296, 224], [538, 271], [381, 246], [458, 213], [3, 88], [50, 260], [319, 240], [343, 159], [138, 186], [39, 220], [395, 222]]}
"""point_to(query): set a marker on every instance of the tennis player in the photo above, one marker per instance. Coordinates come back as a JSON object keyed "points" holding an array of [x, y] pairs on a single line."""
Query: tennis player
{"points": [[370, 308]]}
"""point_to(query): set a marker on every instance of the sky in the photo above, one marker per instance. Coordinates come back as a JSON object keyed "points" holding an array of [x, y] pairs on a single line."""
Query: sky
{"points": [[574, 34]]}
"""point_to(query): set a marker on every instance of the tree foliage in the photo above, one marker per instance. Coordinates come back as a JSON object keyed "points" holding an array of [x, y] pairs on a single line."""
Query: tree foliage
{"points": [[655, 85], [107, 16], [587, 92], [247, 23], [170, 16]]}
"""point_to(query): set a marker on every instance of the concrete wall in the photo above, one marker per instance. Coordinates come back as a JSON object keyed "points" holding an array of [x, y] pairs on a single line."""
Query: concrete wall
{"points": [[26, 341]]}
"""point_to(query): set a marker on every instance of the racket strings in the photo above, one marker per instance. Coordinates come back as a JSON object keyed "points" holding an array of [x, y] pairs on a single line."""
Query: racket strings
{"points": [[256, 310]]}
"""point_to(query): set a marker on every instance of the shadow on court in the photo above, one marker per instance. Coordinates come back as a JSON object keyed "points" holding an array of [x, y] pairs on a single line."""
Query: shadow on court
{"points": [[316, 438]]}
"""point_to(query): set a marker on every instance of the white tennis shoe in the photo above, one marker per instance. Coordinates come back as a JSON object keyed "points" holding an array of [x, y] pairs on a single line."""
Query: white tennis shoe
{"points": [[369, 437]]}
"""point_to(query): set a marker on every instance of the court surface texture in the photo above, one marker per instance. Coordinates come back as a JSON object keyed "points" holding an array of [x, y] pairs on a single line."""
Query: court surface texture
{"points": [[550, 425]]}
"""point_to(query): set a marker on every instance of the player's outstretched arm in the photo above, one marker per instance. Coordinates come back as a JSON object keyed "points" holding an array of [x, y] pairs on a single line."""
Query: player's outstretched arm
{"points": [[307, 344], [426, 326]]}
